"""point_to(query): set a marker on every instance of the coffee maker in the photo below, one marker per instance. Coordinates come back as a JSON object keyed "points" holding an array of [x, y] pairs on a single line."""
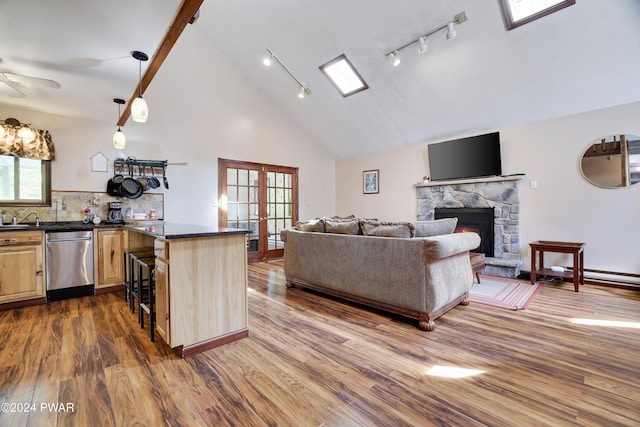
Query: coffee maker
{"points": [[114, 213]]}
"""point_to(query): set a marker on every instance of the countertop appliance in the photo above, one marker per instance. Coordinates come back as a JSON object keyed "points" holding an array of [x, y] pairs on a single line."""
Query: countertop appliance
{"points": [[69, 261], [114, 213]]}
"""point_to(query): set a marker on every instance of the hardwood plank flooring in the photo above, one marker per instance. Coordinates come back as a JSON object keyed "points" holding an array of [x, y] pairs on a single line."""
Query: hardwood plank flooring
{"points": [[312, 360]]}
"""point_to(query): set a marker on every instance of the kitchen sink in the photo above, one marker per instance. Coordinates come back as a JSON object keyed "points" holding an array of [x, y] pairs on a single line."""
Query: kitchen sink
{"points": [[15, 226]]}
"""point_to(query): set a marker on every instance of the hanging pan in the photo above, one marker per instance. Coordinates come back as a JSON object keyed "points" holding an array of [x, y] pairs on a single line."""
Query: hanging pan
{"points": [[131, 188]]}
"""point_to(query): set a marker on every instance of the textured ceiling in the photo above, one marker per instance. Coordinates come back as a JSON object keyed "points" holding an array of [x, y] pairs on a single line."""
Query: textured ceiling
{"points": [[581, 58]]}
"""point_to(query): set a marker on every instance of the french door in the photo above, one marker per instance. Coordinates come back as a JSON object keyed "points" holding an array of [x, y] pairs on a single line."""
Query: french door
{"points": [[261, 198]]}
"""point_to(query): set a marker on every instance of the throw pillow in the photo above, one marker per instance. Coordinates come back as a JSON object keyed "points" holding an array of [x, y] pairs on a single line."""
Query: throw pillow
{"points": [[313, 225], [435, 227], [387, 229], [342, 226]]}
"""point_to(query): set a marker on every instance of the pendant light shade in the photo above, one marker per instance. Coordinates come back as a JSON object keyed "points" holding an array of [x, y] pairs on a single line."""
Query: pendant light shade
{"points": [[139, 109], [119, 141]]}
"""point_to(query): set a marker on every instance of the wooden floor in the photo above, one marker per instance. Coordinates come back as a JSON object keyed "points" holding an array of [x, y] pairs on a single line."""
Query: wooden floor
{"points": [[316, 361]]}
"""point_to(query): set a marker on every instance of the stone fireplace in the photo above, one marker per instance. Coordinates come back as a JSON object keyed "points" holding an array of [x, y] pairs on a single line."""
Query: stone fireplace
{"points": [[498, 193]]}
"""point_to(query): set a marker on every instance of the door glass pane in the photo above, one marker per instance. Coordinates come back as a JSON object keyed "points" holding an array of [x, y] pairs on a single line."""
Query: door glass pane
{"points": [[232, 194], [253, 178], [232, 176], [232, 211], [243, 194], [253, 210], [243, 177]]}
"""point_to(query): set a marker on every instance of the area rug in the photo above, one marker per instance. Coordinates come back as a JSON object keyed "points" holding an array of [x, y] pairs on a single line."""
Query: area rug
{"points": [[501, 292]]}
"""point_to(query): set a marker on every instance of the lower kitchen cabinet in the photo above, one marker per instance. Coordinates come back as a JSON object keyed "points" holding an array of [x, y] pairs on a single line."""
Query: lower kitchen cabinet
{"points": [[22, 266], [109, 257]]}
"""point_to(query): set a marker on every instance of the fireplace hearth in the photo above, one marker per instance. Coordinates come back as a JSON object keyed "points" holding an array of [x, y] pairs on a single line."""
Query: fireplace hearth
{"points": [[478, 220]]}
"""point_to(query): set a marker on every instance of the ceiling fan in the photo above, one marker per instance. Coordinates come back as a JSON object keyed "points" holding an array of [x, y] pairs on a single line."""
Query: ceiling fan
{"points": [[14, 84]]}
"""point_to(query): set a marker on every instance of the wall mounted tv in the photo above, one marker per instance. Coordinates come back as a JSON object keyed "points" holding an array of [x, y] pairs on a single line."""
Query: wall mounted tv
{"points": [[472, 157]]}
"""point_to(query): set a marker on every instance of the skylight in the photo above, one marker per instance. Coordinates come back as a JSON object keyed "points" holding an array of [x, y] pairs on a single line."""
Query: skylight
{"points": [[344, 76], [520, 12]]}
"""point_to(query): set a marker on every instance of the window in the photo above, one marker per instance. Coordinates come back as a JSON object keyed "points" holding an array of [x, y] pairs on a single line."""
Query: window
{"points": [[343, 76], [24, 182], [520, 12]]}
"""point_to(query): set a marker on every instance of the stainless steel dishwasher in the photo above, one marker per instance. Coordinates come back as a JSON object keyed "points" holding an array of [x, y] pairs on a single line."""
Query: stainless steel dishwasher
{"points": [[69, 261]]}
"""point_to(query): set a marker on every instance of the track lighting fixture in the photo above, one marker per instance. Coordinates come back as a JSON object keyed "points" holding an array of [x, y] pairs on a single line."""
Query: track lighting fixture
{"points": [[422, 44], [451, 31], [393, 58], [422, 40], [304, 90], [119, 141], [139, 109], [267, 58], [301, 93]]}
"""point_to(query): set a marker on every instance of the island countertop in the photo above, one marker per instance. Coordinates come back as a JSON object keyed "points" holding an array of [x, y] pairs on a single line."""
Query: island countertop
{"points": [[181, 231]]}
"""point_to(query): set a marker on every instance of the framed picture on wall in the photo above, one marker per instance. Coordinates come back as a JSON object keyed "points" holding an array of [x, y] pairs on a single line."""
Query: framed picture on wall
{"points": [[371, 181]]}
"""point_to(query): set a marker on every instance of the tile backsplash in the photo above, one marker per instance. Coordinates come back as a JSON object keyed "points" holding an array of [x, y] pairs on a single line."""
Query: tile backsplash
{"points": [[68, 206]]}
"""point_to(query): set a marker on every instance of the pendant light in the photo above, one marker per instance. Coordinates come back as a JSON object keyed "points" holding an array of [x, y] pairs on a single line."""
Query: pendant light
{"points": [[119, 141], [139, 109]]}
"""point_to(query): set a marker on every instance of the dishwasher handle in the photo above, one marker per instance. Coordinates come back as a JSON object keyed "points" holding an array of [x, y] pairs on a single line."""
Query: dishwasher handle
{"points": [[72, 239]]}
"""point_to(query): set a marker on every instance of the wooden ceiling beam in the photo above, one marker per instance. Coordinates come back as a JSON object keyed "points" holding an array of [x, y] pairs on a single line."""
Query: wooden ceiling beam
{"points": [[187, 13]]}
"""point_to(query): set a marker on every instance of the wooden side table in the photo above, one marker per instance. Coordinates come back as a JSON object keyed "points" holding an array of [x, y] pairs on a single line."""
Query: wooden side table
{"points": [[574, 248], [477, 263]]}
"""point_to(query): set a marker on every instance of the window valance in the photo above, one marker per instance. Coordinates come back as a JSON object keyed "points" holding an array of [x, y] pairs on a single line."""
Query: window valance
{"points": [[23, 141]]}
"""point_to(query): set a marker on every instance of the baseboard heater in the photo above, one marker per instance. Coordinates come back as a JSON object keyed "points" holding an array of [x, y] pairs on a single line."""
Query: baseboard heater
{"points": [[613, 279]]}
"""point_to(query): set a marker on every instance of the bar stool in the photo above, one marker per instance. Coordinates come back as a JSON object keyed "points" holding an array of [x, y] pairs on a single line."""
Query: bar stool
{"points": [[130, 278], [146, 289]]}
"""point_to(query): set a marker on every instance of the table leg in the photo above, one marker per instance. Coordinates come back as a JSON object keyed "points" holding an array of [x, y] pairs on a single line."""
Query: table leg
{"points": [[576, 271], [533, 266], [582, 267]]}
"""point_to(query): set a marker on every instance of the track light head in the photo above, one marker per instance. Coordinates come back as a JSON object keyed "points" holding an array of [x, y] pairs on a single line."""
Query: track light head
{"points": [[302, 91], [422, 44], [393, 58], [267, 58], [451, 31]]}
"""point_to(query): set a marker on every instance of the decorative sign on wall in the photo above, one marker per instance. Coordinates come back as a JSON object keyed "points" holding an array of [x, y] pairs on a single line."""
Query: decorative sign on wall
{"points": [[99, 163]]}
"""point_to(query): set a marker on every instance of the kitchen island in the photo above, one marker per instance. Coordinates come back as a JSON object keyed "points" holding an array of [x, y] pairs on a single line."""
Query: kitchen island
{"points": [[201, 283]]}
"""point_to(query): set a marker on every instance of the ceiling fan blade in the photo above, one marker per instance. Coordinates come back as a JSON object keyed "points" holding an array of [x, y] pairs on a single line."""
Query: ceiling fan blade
{"points": [[33, 80], [10, 88]]}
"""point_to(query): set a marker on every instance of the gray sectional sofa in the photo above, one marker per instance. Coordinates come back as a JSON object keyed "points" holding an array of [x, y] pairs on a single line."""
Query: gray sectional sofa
{"points": [[414, 275]]}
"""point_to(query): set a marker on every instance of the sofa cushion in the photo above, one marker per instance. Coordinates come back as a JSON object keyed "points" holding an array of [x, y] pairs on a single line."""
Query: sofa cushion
{"points": [[341, 226], [313, 225], [435, 227], [387, 229]]}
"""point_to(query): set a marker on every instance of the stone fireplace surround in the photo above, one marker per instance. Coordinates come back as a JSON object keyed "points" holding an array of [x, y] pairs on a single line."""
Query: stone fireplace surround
{"points": [[500, 193]]}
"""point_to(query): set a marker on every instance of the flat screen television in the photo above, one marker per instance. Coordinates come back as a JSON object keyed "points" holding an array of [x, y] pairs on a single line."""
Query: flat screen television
{"points": [[472, 157]]}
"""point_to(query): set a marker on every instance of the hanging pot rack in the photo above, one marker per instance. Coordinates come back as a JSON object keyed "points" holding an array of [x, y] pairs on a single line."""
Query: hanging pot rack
{"points": [[138, 167]]}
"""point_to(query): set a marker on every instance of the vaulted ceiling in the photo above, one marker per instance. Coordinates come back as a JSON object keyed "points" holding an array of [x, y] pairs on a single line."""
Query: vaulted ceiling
{"points": [[581, 58]]}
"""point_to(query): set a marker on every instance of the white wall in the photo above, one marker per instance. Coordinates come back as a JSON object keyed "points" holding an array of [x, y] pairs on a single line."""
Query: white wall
{"points": [[563, 207], [200, 110]]}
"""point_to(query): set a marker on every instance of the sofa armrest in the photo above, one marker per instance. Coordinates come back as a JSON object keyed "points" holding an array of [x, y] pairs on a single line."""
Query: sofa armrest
{"points": [[447, 245]]}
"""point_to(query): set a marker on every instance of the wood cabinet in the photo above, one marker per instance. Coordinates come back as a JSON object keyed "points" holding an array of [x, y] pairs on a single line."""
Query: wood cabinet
{"points": [[162, 300], [109, 257], [22, 266]]}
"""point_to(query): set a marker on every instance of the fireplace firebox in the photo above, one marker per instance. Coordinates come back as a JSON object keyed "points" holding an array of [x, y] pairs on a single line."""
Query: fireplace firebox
{"points": [[479, 220]]}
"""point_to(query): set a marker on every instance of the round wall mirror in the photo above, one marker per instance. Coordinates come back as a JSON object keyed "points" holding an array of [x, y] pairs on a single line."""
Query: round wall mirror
{"points": [[613, 161]]}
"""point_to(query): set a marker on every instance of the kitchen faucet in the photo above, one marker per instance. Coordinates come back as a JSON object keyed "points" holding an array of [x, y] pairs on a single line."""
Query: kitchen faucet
{"points": [[37, 217]]}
